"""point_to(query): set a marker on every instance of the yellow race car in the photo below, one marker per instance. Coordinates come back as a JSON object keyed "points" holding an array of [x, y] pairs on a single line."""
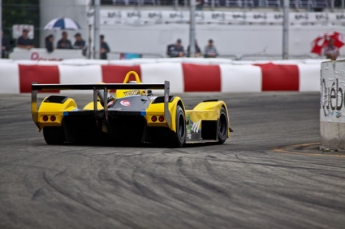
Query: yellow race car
{"points": [[132, 115]]}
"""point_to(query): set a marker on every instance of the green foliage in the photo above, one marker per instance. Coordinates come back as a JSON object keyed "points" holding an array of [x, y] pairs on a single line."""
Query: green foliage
{"points": [[21, 12]]}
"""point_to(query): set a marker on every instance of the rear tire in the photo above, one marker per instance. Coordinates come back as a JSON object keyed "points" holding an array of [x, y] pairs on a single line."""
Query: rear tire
{"points": [[223, 126], [54, 135], [179, 138]]}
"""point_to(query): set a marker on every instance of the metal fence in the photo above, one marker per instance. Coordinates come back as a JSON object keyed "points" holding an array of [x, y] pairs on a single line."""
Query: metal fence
{"points": [[248, 57], [121, 55]]}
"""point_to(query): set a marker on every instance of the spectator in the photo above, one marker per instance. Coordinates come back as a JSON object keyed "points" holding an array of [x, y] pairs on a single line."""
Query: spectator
{"points": [[330, 50], [5, 45], [49, 42], [176, 50], [104, 48], [210, 50], [24, 41], [64, 43], [79, 42], [199, 4], [197, 50]]}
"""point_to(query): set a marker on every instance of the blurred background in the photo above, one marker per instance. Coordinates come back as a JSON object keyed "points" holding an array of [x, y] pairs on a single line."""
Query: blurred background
{"points": [[239, 29]]}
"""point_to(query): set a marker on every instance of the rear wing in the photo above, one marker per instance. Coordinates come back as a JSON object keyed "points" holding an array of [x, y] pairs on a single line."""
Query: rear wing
{"points": [[95, 87]]}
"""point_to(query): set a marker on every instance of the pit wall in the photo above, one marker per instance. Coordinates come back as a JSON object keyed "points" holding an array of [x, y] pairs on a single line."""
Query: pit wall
{"points": [[184, 74], [332, 105]]}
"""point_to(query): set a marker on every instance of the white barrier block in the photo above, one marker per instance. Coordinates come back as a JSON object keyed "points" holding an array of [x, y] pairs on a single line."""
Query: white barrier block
{"points": [[249, 62], [220, 61], [27, 62], [288, 62], [160, 72], [240, 78], [83, 62], [122, 62], [316, 61], [309, 77], [80, 75], [206, 61], [172, 60], [200, 61], [2, 61], [138, 61], [9, 78]]}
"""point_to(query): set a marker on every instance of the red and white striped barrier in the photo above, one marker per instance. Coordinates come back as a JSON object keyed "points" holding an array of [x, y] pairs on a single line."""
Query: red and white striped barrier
{"points": [[183, 77]]}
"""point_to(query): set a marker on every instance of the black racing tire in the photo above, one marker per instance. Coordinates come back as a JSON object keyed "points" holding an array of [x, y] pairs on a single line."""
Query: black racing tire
{"points": [[179, 138], [54, 135], [223, 126]]}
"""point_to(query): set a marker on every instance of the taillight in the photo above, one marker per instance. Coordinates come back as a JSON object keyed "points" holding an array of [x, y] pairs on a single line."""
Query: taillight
{"points": [[161, 118], [45, 118], [153, 118], [52, 118]]}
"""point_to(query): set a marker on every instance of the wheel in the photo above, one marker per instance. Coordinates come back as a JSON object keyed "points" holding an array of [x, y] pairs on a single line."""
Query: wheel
{"points": [[54, 135], [223, 126], [179, 137]]}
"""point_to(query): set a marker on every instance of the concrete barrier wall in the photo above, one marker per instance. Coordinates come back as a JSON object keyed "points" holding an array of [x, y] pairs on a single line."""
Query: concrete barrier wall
{"points": [[332, 109], [185, 75]]}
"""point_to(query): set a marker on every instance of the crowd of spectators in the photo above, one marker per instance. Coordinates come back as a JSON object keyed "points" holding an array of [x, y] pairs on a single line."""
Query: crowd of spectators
{"points": [[330, 51], [24, 42], [177, 50]]}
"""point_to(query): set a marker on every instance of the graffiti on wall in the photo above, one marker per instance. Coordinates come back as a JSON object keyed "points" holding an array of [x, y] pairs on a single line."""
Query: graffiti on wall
{"points": [[332, 94]]}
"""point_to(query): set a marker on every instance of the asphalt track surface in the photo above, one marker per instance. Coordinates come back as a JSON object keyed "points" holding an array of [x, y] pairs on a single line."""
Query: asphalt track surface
{"points": [[241, 184]]}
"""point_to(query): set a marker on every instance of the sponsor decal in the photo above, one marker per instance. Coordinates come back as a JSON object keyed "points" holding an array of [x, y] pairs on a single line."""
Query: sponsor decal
{"points": [[133, 14], [125, 103], [133, 92], [301, 16], [278, 16], [155, 15], [196, 127], [260, 16], [114, 14], [218, 15], [111, 103]]}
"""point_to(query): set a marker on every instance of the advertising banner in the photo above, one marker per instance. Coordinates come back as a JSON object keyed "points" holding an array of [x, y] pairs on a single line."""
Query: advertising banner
{"points": [[144, 17]]}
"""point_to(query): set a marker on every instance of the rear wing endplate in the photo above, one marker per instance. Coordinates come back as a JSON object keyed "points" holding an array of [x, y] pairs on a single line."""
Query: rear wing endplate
{"points": [[95, 87]]}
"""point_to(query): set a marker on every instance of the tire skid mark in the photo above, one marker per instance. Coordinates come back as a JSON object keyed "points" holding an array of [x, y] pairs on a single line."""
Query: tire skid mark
{"points": [[137, 188], [122, 219], [204, 184]]}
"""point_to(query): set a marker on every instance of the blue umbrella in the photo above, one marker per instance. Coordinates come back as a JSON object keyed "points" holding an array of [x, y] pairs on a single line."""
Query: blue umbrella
{"points": [[62, 24]]}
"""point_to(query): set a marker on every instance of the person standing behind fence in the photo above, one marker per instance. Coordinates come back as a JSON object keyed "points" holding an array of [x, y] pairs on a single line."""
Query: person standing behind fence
{"points": [[330, 50], [64, 43], [210, 50], [5, 45], [49, 42], [104, 48], [24, 41]]}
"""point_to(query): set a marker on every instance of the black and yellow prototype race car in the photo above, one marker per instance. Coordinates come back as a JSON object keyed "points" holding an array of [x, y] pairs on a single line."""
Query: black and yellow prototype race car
{"points": [[131, 115]]}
